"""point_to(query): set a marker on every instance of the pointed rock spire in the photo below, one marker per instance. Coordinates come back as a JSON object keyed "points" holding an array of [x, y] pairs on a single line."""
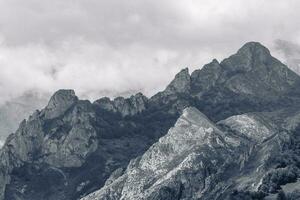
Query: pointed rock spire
{"points": [[181, 83], [205, 78], [59, 103]]}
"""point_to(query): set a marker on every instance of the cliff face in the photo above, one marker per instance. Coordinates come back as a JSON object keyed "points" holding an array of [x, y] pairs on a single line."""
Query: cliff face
{"points": [[178, 166], [243, 157], [56, 153], [126, 107]]}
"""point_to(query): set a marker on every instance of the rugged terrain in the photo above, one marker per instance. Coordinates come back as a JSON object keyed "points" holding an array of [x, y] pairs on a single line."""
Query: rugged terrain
{"points": [[242, 157], [242, 145]]}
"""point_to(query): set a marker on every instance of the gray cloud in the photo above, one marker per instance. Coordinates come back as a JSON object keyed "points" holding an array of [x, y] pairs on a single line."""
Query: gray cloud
{"points": [[105, 47], [290, 52]]}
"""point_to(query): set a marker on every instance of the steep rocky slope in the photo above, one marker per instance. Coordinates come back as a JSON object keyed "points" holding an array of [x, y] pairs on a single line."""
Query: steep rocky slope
{"points": [[182, 165], [70, 148], [243, 157]]}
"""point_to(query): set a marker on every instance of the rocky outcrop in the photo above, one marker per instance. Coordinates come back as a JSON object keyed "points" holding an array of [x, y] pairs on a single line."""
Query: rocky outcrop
{"points": [[254, 71], [59, 103], [75, 138], [175, 167], [180, 84], [52, 137], [126, 107], [251, 125], [204, 79], [196, 160]]}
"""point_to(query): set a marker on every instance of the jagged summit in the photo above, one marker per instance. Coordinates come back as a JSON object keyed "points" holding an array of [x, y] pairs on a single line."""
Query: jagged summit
{"points": [[253, 48], [252, 70], [61, 101], [125, 106], [180, 84], [250, 56], [205, 78]]}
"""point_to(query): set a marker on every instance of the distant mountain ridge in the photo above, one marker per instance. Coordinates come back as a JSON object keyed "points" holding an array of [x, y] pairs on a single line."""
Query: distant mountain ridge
{"points": [[56, 153]]}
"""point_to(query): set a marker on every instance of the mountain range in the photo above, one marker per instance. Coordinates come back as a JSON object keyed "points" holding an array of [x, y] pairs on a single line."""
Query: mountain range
{"points": [[229, 130]]}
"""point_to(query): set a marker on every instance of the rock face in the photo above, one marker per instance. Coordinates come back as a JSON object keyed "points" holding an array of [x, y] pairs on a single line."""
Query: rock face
{"points": [[206, 78], [249, 77], [253, 126], [175, 167], [126, 107], [42, 141], [73, 147], [59, 103], [56, 153], [181, 83], [257, 62], [197, 159]]}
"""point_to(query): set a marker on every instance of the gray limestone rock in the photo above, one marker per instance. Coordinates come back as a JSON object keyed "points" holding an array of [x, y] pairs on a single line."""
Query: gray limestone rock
{"points": [[59, 103], [176, 166], [126, 107], [180, 84], [199, 160]]}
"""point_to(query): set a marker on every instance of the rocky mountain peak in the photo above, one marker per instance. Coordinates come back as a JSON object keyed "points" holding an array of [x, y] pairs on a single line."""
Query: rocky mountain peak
{"points": [[254, 48], [60, 102], [250, 56], [181, 82], [205, 78], [253, 70]]}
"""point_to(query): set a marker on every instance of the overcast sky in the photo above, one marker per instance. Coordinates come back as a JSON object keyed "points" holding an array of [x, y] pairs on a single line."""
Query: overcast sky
{"points": [[109, 47]]}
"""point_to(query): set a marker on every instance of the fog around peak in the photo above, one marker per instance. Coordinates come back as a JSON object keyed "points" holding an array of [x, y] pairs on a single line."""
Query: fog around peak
{"points": [[111, 48]]}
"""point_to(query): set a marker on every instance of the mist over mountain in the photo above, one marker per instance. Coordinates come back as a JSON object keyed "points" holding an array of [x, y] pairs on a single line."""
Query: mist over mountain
{"points": [[229, 130], [93, 46], [291, 52], [14, 111]]}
